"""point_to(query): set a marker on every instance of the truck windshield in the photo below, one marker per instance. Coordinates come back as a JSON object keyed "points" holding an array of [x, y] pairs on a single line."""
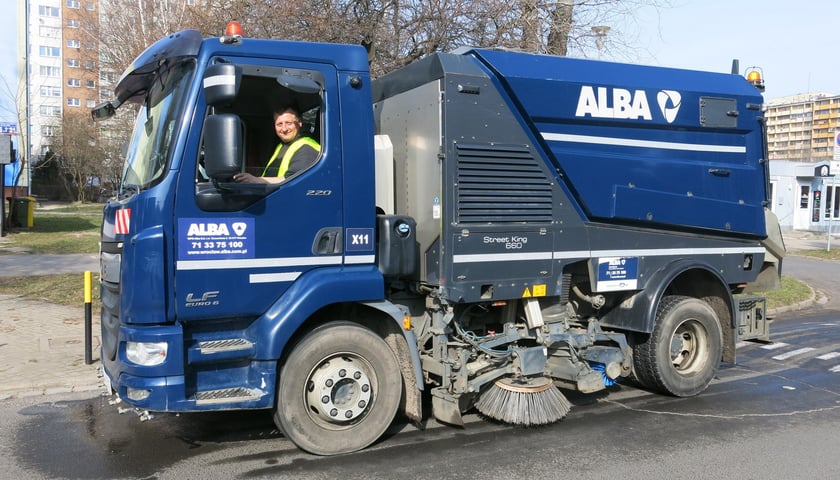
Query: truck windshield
{"points": [[154, 130]]}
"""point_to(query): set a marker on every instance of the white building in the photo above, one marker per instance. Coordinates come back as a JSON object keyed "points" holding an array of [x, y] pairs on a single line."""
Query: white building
{"points": [[806, 196]]}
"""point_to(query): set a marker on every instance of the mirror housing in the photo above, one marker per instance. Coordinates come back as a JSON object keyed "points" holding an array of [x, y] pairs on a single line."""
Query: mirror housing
{"points": [[103, 111], [221, 83], [223, 154]]}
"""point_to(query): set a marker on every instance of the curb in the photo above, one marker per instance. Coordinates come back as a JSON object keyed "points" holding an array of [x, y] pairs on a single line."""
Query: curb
{"points": [[44, 391]]}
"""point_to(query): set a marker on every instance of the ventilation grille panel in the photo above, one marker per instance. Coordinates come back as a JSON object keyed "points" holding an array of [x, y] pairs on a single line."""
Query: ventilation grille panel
{"points": [[501, 184]]}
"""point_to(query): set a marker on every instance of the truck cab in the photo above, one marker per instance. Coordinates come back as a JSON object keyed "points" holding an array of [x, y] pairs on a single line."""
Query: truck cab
{"points": [[181, 250]]}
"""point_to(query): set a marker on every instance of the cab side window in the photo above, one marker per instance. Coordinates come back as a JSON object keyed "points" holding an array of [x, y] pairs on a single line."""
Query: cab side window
{"points": [[279, 112]]}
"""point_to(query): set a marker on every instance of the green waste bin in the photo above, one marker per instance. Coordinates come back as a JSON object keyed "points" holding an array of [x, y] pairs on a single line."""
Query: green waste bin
{"points": [[24, 211]]}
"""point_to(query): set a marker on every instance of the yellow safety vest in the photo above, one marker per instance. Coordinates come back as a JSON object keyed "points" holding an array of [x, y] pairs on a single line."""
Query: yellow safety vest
{"points": [[290, 152]]}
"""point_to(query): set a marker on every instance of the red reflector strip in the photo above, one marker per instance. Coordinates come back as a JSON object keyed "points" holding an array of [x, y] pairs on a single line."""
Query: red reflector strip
{"points": [[122, 221]]}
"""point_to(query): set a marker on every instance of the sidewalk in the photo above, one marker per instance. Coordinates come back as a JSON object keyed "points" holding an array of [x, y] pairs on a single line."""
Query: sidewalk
{"points": [[43, 349], [42, 344]]}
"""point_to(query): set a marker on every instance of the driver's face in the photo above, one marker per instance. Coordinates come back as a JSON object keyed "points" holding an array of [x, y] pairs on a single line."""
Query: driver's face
{"points": [[287, 126]]}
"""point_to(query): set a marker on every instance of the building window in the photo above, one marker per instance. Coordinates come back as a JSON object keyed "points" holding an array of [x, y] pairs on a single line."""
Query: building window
{"points": [[74, 62], [832, 201], [74, 82], [90, 84], [73, 23], [49, 32], [49, 51], [47, 71], [74, 102], [90, 65], [50, 110], [90, 103], [804, 192], [72, 3], [47, 11], [48, 91], [90, 6], [73, 43], [47, 130]]}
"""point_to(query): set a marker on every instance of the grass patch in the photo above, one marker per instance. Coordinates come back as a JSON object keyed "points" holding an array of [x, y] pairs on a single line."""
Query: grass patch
{"points": [[70, 229], [791, 292], [833, 254], [63, 289]]}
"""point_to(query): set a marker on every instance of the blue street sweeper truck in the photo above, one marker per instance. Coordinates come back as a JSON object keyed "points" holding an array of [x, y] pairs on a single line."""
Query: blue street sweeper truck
{"points": [[482, 229]]}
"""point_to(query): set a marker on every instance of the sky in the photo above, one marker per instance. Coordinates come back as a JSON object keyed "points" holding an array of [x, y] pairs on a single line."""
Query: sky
{"points": [[794, 42], [791, 41]]}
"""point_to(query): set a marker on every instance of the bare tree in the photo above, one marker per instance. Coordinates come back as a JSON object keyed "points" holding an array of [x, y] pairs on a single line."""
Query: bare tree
{"points": [[78, 155], [394, 32]]}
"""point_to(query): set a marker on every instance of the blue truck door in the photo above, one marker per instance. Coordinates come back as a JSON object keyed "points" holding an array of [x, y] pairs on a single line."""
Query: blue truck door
{"points": [[236, 262]]}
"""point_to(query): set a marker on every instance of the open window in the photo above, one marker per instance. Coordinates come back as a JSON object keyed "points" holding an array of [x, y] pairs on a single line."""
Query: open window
{"points": [[239, 133]]}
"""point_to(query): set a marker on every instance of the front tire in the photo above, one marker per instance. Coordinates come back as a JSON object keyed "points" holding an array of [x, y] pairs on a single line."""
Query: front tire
{"points": [[682, 354], [339, 390]]}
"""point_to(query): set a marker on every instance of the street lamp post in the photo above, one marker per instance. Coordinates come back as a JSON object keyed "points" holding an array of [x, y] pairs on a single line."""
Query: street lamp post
{"points": [[600, 32]]}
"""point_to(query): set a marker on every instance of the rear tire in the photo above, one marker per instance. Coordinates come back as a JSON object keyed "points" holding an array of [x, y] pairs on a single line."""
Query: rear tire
{"points": [[682, 354], [339, 390]]}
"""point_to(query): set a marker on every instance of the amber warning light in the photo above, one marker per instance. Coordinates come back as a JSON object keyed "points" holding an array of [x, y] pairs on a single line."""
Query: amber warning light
{"points": [[233, 32], [756, 77]]}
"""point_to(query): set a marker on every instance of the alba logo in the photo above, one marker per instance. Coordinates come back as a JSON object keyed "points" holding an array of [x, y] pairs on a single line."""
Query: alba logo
{"points": [[612, 103], [669, 112], [623, 104], [239, 228], [205, 229]]}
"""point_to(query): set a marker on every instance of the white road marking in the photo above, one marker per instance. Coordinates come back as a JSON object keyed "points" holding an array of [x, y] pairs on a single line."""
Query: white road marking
{"points": [[793, 353], [774, 346], [829, 356]]}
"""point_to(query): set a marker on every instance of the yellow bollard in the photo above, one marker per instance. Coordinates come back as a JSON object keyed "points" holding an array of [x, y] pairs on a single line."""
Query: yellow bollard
{"points": [[88, 338]]}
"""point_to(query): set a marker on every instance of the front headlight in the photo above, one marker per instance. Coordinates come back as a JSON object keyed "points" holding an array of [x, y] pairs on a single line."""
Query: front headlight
{"points": [[146, 353]]}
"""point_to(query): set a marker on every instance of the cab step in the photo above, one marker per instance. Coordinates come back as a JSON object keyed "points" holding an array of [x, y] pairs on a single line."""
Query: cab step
{"points": [[228, 395]]}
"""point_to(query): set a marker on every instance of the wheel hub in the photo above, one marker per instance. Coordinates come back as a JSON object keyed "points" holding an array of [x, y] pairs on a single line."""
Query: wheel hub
{"points": [[686, 345], [338, 390]]}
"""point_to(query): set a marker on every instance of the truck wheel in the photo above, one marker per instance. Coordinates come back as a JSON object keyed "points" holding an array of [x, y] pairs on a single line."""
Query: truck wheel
{"points": [[338, 391], [682, 354]]}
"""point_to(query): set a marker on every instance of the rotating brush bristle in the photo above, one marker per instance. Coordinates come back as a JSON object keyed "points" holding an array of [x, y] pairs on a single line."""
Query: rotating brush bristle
{"points": [[526, 402]]}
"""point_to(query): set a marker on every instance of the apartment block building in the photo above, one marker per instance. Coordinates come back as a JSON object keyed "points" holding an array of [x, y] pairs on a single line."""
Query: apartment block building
{"points": [[803, 128], [62, 63]]}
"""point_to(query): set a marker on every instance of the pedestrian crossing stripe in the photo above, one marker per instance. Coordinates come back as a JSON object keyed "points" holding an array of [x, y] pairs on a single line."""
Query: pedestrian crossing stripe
{"points": [[829, 356], [774, 346], [793, 353]]}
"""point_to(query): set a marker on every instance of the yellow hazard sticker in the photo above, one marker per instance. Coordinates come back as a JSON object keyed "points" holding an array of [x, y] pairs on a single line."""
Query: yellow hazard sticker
{"points": [[535, 291]]}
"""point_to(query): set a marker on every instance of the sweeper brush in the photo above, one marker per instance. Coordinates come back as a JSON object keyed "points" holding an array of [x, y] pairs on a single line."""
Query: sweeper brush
{"points": [[527, 401]]}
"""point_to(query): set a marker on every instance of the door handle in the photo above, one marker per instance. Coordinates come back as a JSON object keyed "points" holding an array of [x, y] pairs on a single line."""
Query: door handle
{"points": [[720, 172], [328, 241]]}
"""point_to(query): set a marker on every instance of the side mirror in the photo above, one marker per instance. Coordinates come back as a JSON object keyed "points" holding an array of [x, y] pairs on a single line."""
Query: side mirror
{"points": [[103, 111], [221, 83], [223, 154]]}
